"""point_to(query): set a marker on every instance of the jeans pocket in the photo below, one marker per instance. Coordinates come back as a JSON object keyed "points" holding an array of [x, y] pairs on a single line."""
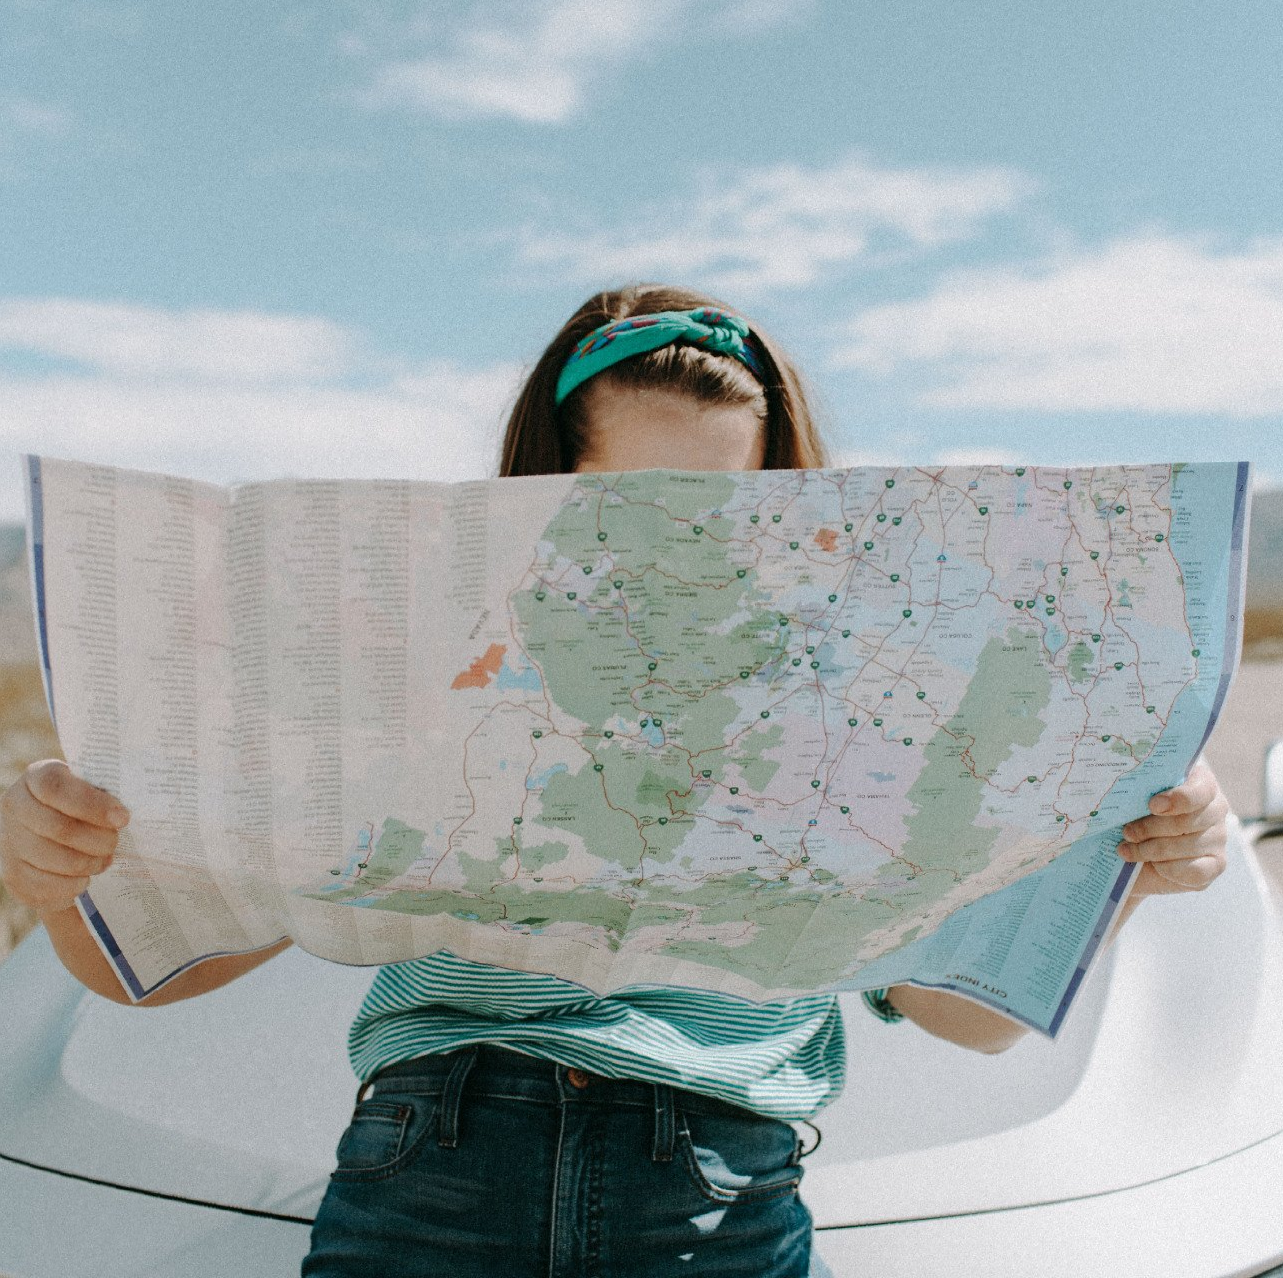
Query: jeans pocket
{"points": [[383, 1137], [732, 1157]]}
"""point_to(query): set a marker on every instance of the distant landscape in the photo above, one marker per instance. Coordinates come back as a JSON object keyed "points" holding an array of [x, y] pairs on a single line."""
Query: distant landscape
{"points": [[26, 733], [1263, 616]]}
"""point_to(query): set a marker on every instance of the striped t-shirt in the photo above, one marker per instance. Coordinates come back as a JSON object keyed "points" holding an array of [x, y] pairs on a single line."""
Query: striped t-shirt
{"points": [[784, 1059]]}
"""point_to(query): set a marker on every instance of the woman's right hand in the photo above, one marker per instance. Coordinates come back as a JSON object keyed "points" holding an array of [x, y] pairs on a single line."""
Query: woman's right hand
{"points": [[56, 832]]}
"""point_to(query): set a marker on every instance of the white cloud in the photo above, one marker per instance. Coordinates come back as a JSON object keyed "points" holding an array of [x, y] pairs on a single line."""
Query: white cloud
{"points": [[230, 413], [530, 62], [29, 128], [786, 226], [752, 17], [968, 458], [1151, 324], [20, 115], [865, 457], [977, 457], [539, 60], [235, 346], [445, 428], [491, 86]]}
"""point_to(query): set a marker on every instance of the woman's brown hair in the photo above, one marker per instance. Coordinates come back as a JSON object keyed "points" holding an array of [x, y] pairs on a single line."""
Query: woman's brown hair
{"points": [[546, 439]]}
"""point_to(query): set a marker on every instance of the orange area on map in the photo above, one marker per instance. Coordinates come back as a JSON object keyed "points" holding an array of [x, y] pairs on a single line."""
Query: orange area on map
{"points": [[482, 670], [826, 539]]}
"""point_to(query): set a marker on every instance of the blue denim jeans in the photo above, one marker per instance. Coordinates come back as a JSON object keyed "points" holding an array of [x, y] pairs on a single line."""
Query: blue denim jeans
{"points": [[485, 1162]]}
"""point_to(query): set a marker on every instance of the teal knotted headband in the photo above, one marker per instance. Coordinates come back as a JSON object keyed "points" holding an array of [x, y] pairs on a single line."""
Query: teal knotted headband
{"points": [[707, 327]]}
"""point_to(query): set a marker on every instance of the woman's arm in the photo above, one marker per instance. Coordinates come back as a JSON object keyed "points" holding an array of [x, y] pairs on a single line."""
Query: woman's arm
{"points": [[1180, 847], [81, 956], [56, 832], [965, 1022]]}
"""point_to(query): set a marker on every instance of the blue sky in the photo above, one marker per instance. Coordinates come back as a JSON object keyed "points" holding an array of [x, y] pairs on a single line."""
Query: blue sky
{"points": [[240, 240]]}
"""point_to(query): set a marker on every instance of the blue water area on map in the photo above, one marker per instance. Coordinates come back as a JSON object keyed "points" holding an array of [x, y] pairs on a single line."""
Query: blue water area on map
{"points": [[884, 777], [541, 779], [654, 735], [1054, 639], [523, 677]]}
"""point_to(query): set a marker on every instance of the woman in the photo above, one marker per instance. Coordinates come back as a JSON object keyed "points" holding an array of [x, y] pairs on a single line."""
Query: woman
{"points": [[507, 1123]]}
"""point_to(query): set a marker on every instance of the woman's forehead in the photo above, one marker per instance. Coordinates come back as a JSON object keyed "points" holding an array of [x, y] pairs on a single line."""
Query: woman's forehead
{"points": [[605, 399]]}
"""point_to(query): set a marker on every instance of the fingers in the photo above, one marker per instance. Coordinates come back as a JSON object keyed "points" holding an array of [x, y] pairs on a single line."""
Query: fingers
{"points": [[1178, 848], [1183, 847], [54, 784], [1178, 876], [46, 878], [57, 832], [25, 811], [1196, 804], [1165, 827], [1197, 790]]}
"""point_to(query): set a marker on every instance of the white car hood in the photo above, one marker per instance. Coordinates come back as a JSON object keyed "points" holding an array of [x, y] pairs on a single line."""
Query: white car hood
{"points": [[1170, 1059], [236, 1098]]}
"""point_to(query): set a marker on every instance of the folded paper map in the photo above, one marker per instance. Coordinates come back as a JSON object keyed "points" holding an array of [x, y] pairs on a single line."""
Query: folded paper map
{"points": [[764, 732]]}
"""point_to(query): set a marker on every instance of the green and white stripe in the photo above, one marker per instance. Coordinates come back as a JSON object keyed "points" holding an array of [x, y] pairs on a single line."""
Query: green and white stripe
{"points": [[881, 1006], [784, 1059]]}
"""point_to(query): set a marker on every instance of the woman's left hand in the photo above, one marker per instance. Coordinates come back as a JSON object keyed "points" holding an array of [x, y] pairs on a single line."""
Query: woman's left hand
{"points": [[1181, 847]]}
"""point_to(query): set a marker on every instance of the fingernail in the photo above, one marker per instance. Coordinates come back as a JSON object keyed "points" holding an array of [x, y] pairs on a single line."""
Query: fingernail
{"points": [[118, 816], [1122, 849]]}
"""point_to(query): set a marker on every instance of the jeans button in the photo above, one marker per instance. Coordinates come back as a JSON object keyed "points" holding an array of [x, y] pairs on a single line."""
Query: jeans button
{"points": [[577, 1078]]}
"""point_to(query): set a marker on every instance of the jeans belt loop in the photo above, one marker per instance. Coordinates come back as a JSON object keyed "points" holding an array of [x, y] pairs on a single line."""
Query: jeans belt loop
{"points": [[448, 1137], [665, 1124]]}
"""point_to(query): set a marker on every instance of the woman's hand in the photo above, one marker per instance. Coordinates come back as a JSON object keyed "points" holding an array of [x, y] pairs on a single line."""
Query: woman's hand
{"points": [[56, 832], [1181, 847]]}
